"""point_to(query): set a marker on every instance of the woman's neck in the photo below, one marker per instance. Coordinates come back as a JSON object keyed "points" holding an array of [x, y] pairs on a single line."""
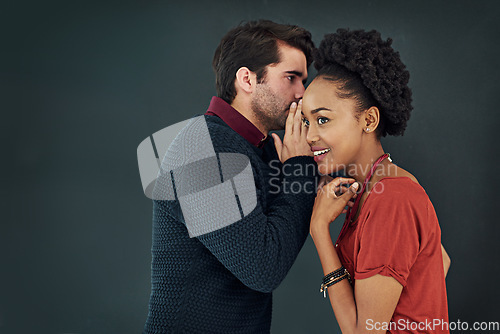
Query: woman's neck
{"points": [[360, 168]]}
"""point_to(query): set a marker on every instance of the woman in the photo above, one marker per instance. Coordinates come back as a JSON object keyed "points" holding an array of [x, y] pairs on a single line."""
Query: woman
{"points": [[390, 244]]}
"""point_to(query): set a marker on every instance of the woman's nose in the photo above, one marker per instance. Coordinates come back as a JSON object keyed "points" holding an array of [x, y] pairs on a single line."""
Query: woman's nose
{"points": [[312, 135]]}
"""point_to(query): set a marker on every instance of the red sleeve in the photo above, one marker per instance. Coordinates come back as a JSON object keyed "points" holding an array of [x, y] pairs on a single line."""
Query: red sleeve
{"points": [[388, 234]]}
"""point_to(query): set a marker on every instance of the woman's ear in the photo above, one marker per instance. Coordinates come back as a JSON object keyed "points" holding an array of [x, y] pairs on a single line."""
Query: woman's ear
{"points": [[245, 80], [371, 119]]}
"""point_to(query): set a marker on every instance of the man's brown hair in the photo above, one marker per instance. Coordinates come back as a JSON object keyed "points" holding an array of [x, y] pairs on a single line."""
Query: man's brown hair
{"points": [[255, 45]]}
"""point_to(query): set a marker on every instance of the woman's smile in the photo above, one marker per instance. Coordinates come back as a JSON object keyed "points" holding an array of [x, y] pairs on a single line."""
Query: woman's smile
{"points": [[319, 153]]}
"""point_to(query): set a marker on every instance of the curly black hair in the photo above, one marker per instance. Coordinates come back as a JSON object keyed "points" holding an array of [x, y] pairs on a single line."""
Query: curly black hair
{"points": [[370, 71]]}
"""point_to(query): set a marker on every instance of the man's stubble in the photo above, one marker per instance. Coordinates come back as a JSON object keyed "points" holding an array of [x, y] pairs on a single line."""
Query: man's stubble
{"points": [[269, 109]]}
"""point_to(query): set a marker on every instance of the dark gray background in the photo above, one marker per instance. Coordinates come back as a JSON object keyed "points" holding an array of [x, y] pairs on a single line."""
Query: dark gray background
{"points": [[84, 83]]}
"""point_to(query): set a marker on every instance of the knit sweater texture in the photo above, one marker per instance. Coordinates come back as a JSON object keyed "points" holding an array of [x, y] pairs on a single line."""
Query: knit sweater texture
{"points": [[222, 281]]}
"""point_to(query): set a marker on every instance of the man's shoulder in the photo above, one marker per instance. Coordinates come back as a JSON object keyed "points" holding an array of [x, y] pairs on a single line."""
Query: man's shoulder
{"points": [[224, 138], [203, 130], [215, 124]]}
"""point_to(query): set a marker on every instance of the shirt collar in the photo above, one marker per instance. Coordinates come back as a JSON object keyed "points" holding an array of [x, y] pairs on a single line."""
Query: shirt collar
{"points": [[236, 121]]}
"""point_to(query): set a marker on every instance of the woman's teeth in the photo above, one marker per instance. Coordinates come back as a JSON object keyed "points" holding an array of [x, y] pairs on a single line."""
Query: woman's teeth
{"points": [[316, 153]]}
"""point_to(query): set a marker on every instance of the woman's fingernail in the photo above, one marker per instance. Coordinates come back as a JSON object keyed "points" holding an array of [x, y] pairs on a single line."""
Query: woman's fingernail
{"points": [[293, 105], [300, 101], [355, 186]]}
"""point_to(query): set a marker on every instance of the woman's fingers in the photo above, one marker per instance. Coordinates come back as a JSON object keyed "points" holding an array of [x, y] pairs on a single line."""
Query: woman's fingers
{"points": [[338, 187], [350, 204], [328, 205], [324, 180], [350, 193], [340, 190], [341, 180]]}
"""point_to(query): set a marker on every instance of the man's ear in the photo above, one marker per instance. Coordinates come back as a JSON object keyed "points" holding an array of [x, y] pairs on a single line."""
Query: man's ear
{"points": [[372, 119], [246, 80]]}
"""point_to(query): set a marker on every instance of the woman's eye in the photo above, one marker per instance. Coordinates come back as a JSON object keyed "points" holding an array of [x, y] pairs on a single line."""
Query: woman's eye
{"points": [[305, 122], [322, 120]]}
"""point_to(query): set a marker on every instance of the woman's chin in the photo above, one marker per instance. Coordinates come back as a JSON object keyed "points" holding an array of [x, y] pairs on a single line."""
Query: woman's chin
{"points": [[325, 169]]}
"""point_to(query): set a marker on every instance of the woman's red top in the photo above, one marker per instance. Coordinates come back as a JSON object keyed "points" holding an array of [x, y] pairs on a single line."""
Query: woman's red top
{"points": [[397, 234]]}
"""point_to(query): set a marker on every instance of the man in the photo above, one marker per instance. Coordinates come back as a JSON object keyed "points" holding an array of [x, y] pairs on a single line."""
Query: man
{"points": [[213, 277]]}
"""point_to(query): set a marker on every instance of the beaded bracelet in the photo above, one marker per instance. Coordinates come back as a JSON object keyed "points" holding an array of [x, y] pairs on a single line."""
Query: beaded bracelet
{"points": [[337, 273], [333, 278]]}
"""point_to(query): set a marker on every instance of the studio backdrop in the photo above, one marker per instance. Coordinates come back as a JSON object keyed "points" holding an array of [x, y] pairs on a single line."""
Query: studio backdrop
{"points": [[84, 83]]}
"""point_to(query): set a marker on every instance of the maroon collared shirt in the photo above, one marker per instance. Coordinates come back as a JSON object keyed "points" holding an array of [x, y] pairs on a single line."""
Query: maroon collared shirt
{"points": [[236, 121]]}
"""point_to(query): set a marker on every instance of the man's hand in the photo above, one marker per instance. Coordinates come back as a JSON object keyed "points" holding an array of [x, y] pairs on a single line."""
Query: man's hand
{"points": [[294, 142]]}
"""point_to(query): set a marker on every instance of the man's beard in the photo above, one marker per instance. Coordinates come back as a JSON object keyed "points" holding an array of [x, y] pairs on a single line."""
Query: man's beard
{"points": [[269, 108]]}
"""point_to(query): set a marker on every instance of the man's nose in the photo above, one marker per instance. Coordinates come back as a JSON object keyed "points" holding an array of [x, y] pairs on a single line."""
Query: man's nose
{"points": [[300, 91]]}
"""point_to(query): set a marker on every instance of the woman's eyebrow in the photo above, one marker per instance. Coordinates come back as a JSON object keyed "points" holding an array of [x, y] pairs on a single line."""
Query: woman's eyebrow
{"points": [[319, 109]]}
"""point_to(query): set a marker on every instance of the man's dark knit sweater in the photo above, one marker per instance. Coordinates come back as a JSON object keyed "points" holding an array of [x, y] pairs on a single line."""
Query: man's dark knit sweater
{"points": [[221, 282]]}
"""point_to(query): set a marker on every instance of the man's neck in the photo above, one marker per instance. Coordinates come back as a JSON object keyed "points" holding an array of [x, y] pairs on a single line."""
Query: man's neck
{"points": [[246, 111]]}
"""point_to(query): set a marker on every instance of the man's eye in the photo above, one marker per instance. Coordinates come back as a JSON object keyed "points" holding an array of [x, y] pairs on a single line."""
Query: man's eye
{"points": [[290, 77], [305, 122], [322, 120]]}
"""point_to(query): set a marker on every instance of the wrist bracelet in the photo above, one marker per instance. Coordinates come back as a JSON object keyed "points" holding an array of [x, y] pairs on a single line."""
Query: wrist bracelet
{"points": [[333, 278], [339, 272]]}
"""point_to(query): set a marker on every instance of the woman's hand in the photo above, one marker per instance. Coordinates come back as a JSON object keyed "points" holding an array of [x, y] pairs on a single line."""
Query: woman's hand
{"points": [[324, 179], [294, 142], [332, 200]]}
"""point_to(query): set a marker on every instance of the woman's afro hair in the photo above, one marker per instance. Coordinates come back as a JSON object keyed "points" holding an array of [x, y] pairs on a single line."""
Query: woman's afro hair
{"points": [[379, 67]]}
